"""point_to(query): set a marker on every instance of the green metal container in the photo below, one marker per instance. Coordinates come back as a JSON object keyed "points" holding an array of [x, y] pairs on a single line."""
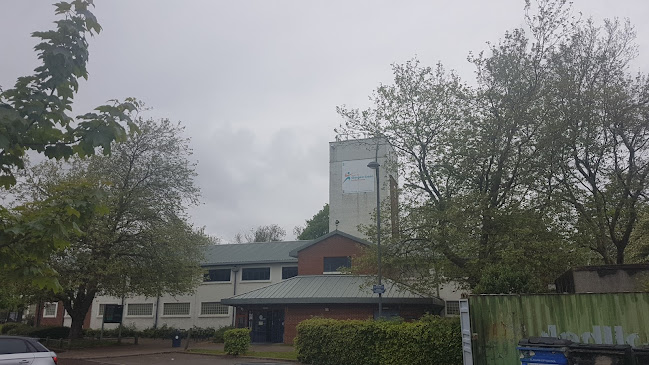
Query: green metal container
{"points": [[498, 322]]}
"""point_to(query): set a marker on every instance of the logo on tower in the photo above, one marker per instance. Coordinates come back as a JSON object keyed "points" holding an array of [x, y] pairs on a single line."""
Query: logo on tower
{"points": [[357, 177]]}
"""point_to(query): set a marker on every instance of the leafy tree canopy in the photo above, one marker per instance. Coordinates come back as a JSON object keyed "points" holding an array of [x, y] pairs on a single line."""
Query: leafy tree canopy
{"points": [[315, 227], [541, 164], [136, 240], [261, 234], [34, 116]]}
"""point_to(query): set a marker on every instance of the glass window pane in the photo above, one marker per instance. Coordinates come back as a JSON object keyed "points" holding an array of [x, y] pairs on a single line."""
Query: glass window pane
{"points": [[289, 272], [139, 309], [214, 308], [332, 264], [256, 273], [217, 275], [49, 309], [12, 346], [452, 307], [175, 309]]}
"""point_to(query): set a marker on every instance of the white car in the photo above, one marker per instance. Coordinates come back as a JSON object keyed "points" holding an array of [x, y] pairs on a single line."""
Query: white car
{"points": [[24, 351]]}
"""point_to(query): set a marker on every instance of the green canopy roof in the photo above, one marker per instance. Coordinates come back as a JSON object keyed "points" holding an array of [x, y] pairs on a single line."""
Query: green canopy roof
{"points": [[330, 289]]}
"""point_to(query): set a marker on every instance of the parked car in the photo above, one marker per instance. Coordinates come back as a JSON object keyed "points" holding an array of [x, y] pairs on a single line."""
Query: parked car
{"points": [[16, 350]]}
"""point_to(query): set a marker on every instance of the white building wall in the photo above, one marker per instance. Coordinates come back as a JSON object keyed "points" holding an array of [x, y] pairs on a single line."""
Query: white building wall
{"points": [[352, 209], [206, 292]]}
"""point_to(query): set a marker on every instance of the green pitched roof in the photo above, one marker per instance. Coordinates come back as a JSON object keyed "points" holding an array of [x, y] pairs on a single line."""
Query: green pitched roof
{"points": [[251, 253], [329, 289]]}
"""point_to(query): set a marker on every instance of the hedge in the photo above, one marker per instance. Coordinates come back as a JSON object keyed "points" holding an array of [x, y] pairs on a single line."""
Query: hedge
{"points": [[39, 332], [431, 340], [237, 341]]}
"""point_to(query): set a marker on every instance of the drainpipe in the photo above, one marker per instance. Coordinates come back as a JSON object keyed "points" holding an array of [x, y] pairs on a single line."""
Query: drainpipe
{"points": [[235, 270]]}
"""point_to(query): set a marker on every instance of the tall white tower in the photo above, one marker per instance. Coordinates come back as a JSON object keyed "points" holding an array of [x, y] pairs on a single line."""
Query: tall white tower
{"points": [[352, 185]]}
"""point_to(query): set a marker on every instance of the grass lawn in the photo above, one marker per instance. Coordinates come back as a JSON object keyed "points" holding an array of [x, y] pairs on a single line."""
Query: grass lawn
{"points": [[292, 355]]}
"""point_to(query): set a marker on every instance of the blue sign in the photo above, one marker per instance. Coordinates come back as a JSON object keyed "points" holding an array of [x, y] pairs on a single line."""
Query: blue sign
{"points": [[378, 289]]}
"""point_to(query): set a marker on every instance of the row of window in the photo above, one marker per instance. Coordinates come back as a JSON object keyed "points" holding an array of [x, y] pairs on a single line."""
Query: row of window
{"points": [[330, 265], [172, 309], [248, 274]]}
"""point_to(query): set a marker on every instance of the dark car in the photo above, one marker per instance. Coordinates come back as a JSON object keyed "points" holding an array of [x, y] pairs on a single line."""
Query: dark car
{"points": [[24, 351]]}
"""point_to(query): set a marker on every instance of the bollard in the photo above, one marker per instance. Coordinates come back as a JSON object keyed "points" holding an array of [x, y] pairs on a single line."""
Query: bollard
{"points": [[189, 336]]}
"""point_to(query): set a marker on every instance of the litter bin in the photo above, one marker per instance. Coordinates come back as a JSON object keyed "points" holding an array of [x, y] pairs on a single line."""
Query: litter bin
{"points": [[641, 355], [590, 354], [175, 339], [543, 350]]}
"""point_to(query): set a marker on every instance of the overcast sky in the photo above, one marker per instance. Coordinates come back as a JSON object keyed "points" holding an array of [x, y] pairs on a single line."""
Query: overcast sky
{"points": [[256, 83]]}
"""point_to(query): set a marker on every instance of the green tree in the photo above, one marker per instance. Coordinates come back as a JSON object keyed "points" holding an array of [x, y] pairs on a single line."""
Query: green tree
{"points": [[261, 234], [471, 158], [138, 240], [315, 227], [34, 116], [598, 135], [34, 113]]}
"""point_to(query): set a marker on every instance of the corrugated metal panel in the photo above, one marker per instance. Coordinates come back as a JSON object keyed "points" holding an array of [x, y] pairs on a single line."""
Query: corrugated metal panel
{"points": [[244, 253], [500, 321], [327, 289]]}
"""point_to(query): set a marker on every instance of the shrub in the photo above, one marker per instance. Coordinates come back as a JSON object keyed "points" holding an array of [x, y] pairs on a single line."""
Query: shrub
{"points": [[200, 333], [21, 330], [237, 341], [432, 340], [218, 334], [163, 332], [9, 326], [50, 332]]}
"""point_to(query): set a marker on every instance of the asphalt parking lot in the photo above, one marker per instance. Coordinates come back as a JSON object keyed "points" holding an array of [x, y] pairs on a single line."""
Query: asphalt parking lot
{"points": [[171, 358]]}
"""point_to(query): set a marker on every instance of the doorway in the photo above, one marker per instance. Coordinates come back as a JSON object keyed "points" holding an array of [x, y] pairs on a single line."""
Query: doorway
{"points": [[267, 325]]}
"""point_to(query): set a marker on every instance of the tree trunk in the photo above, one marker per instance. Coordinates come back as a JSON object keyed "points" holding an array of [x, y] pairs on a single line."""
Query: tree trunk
{"points": [[76, 328], [78, 308]]}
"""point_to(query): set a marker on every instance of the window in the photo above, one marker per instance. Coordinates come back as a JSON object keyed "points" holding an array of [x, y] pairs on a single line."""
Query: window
{"points": [[332, 264], [217, 275], [14, 346], [213, 308], [101, 310], [137, 309], [255, 273], [289, 272], [175, 309], [452, 308], [50, 309]]}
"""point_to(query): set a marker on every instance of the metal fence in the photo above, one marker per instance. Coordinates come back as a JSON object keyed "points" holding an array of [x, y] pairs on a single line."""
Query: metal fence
{"points": [[498, 322]]}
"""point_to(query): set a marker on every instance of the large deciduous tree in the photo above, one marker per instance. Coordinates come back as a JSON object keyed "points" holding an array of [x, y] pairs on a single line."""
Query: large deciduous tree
{"points": [[598, 134], [541, 161], [136, 240]]}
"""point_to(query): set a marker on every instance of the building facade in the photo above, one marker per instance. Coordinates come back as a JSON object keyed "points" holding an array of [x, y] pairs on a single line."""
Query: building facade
{"points": [[352, 184], [229, 270]]}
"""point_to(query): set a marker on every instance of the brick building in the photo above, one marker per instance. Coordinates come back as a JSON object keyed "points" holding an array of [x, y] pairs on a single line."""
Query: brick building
{"points": [[273, 312]]}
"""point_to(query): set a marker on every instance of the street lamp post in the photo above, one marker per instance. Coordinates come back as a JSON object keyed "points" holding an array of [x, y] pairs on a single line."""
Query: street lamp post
{"points": [[378, 288]]}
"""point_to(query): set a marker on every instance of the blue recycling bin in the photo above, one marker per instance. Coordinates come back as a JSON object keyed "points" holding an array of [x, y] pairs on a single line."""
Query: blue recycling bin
{"points": [[543, 350]]}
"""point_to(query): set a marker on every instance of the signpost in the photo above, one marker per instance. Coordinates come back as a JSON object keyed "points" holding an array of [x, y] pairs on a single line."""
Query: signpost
{"points": [[112, 314], [378, 289]]}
